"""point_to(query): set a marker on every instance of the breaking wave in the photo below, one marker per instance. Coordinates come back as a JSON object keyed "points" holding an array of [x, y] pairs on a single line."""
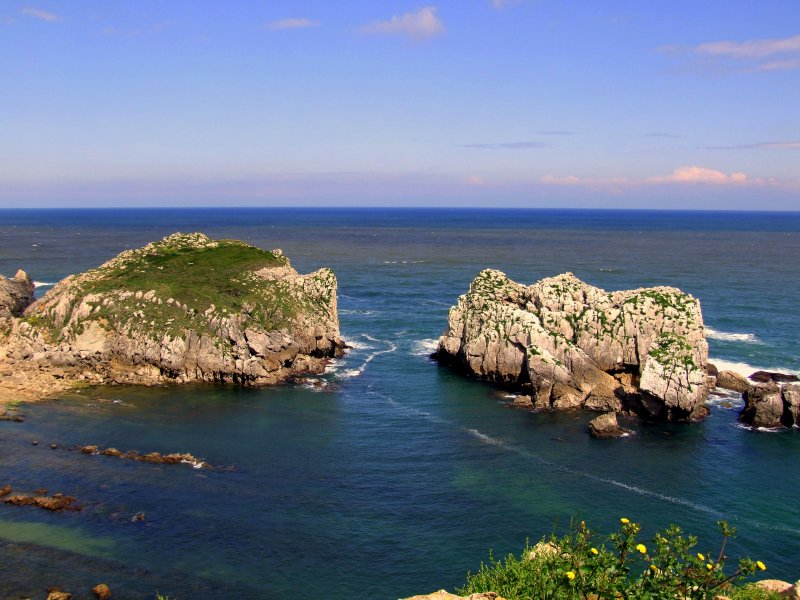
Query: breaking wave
{"points": [[725, 336]]}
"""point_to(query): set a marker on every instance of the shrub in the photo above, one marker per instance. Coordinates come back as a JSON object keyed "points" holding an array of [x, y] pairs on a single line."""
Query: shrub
{"points": [[582, 566]]}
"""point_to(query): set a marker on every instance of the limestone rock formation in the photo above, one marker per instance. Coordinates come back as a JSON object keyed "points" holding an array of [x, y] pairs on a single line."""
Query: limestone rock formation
{"points": [[771, 405], [15, 294], [606, 426], [730, 380], [569, 345], [185, 308]]}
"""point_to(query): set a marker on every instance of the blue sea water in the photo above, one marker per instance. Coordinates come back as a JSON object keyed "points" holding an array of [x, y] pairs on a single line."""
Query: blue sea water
{"points": [[398, 476]]}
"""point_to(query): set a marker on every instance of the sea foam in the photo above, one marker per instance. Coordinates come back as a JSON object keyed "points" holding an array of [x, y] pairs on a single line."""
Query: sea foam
{"points": [[731, 337]]}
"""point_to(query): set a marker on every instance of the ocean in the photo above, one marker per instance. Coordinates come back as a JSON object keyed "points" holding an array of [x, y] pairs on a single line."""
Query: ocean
{"points": [[398, 476]]}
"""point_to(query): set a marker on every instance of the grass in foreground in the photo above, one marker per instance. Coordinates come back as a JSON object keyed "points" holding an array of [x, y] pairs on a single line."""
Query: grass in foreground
{"points": [[581, 566]]}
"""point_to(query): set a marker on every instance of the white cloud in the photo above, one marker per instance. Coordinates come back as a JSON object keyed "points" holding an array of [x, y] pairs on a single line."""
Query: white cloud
{"points": [[781, 54], [293, 23], [553, 180], [751, 48], [696, 174], [42, 15], [420, 24]]}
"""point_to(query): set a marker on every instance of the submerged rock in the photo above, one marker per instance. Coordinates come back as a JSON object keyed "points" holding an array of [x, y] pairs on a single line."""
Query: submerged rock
{"points": [[56, 502], [186, 308], [101, 591], [571, 345]]}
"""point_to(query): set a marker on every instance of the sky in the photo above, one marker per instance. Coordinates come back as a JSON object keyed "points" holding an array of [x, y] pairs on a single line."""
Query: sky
{"points": [[663, 104]]}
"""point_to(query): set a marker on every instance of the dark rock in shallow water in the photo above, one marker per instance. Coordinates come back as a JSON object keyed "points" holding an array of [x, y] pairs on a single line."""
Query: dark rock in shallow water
{"points": [[55, 503], [101, 592], [7, 416], [767, 376]]}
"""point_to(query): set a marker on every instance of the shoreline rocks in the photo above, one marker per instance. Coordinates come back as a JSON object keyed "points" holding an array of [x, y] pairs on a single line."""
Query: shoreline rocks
{"points": [[185, 308], [55, 503], [570, 345]]}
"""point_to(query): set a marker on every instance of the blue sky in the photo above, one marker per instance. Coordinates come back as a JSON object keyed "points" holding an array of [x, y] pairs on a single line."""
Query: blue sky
{"points": [[660, 104]]}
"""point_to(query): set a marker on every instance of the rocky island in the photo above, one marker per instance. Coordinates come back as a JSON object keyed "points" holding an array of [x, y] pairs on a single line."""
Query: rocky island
{"points": [[569, 345], [185, 308]]}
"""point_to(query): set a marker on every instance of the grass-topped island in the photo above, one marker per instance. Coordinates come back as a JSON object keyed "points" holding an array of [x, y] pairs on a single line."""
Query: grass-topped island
{"points": [[185, 308]]}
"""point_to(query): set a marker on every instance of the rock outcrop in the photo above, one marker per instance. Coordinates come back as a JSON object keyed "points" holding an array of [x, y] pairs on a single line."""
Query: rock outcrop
{"points": [[182, 309], [15, 294], [571, 345], [730, 380], [606, 426], [771, 405]]}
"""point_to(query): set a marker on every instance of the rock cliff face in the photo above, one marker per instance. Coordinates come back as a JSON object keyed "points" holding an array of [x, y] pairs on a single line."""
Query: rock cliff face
{"points": [[573, 345], [185, 308]]}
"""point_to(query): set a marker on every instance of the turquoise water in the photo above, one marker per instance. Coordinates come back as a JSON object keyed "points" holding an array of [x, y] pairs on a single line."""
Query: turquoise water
{"points": [[397, 476]]}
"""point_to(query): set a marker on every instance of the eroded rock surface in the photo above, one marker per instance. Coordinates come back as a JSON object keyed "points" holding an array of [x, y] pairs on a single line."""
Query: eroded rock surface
{"points": [[771, 405], [15, 294], [572, 345], [186, 308]]}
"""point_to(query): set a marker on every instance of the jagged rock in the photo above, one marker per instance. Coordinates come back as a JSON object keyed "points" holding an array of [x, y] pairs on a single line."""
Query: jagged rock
{"points": [[606, 426], [767, 376], [5, 491], [101, 592], [445, 595], [712, 370], [763, 406], [730, 380], [15, 294], [57, 594], [185, 308], [770, 405], [566, 342]]}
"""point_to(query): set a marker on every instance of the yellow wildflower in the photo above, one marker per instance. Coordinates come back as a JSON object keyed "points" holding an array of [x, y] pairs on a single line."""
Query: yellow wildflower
{"points": [[595, 551], [641, 548], [570, 575], [761, 565], [655, 569], [709, 566], [700, 556], [624, 520]]}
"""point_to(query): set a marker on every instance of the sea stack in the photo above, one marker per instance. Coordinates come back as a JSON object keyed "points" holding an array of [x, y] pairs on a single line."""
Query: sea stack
{"points": [[185, 308], [572, 345]]}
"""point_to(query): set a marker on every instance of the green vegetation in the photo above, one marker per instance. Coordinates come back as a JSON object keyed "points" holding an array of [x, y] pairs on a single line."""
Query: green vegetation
{"points": [[188, 282], [580, 566], [671, 350]]}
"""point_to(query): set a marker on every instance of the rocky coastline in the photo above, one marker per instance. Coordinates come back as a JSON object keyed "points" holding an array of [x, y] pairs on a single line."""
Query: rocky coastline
{"points": [[182, 309]]}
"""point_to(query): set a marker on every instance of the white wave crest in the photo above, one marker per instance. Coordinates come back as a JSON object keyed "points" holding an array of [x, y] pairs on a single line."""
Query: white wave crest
{"points": [[358, 371], [744, 369], [356, 345], [43, 284], [725, 336], [425, 347]]}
